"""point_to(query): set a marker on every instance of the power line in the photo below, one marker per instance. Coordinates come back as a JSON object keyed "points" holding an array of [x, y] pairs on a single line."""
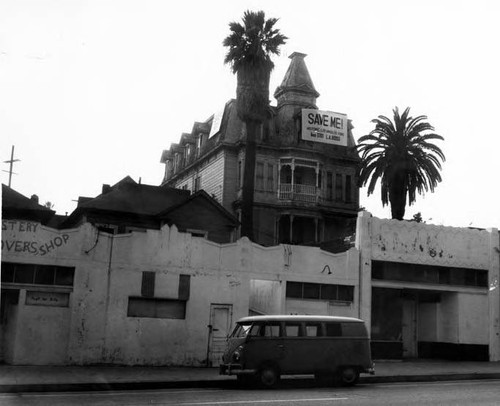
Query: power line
{"points": [[11, 162]]}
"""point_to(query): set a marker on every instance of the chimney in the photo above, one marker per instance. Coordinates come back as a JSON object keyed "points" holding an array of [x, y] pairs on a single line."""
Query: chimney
{"points": [[34, 198], [105, 189]]}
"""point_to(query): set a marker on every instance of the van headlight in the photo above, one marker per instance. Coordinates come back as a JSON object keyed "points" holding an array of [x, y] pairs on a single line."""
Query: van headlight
{"points": [[238, 352]]}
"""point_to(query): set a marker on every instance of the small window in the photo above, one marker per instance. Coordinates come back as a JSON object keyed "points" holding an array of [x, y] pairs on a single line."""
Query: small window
{"points": [[292, 330], [333, 330], [197, 183]]}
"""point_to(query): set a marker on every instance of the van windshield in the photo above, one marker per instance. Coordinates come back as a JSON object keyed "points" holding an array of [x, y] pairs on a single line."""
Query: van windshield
{"points": [[241, 330]]}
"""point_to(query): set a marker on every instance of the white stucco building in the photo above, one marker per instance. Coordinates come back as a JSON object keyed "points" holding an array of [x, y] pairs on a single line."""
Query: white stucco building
{"points": [[162, 297]]}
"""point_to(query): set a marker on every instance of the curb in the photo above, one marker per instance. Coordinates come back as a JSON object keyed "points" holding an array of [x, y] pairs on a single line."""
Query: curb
{"points": [[228, 384]]}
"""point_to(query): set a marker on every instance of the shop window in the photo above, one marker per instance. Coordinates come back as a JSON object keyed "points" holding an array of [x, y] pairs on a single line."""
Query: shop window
{"points": [[294, 290], [34, 274], [156, 308], [319, 291]]}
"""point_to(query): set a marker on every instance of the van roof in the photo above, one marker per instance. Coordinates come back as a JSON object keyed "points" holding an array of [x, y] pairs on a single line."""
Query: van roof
{"points": [[288, 317]]}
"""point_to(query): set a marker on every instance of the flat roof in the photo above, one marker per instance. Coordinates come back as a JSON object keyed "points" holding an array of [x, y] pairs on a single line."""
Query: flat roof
{"points": [[289, 317]]}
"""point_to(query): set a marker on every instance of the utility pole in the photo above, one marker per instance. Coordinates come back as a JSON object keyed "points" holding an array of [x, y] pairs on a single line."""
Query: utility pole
{"points": [[11, 162]]}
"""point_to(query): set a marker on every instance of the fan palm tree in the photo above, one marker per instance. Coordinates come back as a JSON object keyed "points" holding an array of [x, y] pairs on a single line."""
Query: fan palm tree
{"points": [[401, 154], [250, 47]]}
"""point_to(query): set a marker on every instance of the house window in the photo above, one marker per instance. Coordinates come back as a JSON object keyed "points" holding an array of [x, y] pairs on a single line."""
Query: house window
{"points": [[270, 177], [338, 186], [197, 183], [259, 176], [156, 308], [329, 186], [348, 189]]}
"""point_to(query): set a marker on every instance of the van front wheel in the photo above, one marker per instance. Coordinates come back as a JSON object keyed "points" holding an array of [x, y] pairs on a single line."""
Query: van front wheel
{"points": [[348, 376], [268, 376]]}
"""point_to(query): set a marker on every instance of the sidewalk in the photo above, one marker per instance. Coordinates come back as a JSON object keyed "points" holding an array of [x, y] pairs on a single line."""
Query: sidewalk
{"points": [[81, 378]]}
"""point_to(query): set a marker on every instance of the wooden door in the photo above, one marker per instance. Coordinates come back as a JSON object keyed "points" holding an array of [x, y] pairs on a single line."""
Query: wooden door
{"points": [[219, 328]]}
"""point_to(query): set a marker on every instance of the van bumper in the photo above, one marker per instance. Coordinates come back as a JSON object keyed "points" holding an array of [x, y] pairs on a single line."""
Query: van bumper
{"points": [[235, 369]]}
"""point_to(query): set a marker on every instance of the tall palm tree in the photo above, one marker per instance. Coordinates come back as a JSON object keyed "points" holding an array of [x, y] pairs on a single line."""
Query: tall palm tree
{"points": [[401, 155], [250, 47]]}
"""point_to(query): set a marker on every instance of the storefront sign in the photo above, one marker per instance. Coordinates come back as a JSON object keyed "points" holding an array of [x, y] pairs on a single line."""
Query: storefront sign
{"points": [[55, 299], [324, 126], [24, 240]]}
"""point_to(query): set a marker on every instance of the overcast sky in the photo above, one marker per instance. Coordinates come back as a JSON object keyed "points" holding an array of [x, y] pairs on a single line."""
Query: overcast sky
{"points": [[92, 91]]}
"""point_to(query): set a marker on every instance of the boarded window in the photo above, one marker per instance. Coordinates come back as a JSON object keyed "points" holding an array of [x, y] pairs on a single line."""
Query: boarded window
{"points": [[156, 308], [184, 287], [148, 284]]}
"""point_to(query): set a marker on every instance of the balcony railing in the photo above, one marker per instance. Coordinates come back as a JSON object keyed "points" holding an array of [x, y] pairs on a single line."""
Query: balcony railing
{"points": [[298, 192]]}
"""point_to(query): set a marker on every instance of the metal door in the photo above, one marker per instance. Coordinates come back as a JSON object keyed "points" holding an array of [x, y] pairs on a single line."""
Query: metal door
{"points": [[218, 329]]}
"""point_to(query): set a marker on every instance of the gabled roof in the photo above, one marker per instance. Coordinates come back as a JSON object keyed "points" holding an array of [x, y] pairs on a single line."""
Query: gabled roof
{"points": [[14, 204], [127, 196], [201, 194]]}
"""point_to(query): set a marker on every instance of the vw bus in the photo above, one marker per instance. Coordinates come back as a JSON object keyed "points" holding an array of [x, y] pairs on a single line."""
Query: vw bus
{"points": [[333, 349]]}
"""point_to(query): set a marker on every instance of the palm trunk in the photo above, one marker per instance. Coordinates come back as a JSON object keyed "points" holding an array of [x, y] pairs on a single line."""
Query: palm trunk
{"points": [[397, 197], [249, 180]]}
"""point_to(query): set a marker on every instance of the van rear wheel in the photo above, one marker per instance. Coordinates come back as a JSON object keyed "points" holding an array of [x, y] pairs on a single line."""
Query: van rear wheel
{"points": [[348, 376], [268, 376]]}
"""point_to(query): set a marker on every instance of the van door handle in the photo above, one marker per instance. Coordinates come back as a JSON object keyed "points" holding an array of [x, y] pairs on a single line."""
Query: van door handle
{"points": [[281, 346]]}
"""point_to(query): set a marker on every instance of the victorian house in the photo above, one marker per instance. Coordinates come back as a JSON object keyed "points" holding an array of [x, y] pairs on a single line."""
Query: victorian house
{"points": [[305, 191]]}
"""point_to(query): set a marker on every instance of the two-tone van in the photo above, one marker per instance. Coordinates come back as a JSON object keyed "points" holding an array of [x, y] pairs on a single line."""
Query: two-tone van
{"points": [[262, 348]]}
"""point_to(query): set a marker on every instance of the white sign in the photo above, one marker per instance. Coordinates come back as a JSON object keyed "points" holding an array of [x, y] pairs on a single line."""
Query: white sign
{"points": [[324, 126]]}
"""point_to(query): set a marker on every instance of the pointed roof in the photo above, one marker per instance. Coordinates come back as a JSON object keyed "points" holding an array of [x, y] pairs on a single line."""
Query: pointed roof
{"points": [[297, 78], [17, 206]]}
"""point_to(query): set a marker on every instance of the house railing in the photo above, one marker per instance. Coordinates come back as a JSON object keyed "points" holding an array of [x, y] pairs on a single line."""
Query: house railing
{"points": [[298, 192]]}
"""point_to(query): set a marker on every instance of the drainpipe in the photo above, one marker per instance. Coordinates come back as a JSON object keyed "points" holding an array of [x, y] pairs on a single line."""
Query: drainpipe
{"points": [[108, 288]]}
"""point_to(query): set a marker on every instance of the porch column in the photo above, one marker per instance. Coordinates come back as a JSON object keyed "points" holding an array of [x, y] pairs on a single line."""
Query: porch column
{"points": [[292, 167], [279, 181], [291, 228]]}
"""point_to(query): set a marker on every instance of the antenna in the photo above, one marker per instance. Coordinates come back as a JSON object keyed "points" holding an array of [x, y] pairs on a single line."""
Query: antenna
{"points": [[11, 162]]}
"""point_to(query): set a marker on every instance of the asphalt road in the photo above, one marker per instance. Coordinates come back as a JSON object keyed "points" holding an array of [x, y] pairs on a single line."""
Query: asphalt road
{"points": [[479, 392]]}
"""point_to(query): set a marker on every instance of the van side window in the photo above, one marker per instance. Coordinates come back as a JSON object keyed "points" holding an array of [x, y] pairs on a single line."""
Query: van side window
{"points": [[255, 330], [293, 330], [333, 330], [272, 330], [313, 330]]}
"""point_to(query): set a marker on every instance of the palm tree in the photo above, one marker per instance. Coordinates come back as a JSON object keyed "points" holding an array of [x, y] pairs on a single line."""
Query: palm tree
{"points": [[401, 155], [250, 47]]}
